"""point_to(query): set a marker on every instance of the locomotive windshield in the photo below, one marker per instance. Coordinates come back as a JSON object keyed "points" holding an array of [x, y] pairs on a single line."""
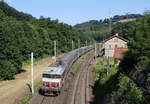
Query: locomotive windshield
{"points": [[51, 76]]}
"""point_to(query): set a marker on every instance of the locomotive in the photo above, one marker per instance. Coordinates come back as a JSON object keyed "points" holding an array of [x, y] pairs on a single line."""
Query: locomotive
{"points": [[53, 77]]}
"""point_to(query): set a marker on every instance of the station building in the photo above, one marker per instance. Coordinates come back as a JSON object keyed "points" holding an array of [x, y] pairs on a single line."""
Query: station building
{"points": [[115, 46]]}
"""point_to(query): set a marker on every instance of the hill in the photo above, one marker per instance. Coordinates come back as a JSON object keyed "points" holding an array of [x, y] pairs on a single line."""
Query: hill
{"points": [[128, 83], [12, 12], [21, 34], [97, 28]]}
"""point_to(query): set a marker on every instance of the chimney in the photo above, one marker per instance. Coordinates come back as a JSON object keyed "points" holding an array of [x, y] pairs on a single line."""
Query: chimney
{"points": [[116, 34]]}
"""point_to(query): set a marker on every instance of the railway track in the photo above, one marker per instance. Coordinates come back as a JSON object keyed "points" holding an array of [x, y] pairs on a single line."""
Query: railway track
{"points": [[80, 90], [39, 99]]}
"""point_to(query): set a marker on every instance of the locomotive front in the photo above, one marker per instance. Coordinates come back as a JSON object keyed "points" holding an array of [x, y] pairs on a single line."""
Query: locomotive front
{"points": [[52, 80]]}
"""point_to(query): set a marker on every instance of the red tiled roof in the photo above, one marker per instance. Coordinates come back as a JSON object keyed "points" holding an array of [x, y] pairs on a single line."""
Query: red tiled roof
{"points": [[118, 54]]}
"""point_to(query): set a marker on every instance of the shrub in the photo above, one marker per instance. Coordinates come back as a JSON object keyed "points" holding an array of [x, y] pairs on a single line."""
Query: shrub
{"points": [[7, 70]]}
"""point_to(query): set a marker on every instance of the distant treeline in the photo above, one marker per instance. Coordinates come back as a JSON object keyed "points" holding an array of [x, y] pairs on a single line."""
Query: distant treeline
{"points": [[99, 29], [21, 34]]}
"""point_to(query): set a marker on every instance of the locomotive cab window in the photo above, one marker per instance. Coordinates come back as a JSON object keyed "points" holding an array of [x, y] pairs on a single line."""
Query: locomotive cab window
{"points": [[51, 76]]}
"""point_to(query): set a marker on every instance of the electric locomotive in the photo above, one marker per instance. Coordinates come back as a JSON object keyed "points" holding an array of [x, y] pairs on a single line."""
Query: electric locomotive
{"points": [[53, 77]]}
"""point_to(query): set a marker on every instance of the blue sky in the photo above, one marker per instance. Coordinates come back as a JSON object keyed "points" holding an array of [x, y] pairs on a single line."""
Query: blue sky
{"points": [[77, 11]]}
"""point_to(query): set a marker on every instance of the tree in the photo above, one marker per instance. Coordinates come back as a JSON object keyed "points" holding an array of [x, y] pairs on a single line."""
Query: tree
{"points": [[139, 45]]}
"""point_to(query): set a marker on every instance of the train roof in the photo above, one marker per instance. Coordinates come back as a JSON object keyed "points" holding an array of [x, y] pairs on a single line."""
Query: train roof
{"points": [[65, 57], [54, 70]]}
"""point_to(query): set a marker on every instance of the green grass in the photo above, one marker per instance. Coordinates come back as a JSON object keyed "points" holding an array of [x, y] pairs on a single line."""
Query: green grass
{"points": [[101, 72], [77, 63], [107, 75], [28, 95], [25, 99], [67, 89]]}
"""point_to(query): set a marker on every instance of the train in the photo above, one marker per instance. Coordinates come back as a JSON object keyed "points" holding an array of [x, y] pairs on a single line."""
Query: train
{"points": [[53, 77]]}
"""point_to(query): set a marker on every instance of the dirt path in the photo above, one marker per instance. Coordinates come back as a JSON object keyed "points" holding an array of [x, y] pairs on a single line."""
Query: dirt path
{"points": [[13, 90]]}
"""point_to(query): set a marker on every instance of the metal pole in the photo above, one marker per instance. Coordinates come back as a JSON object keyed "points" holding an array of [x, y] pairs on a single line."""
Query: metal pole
{"points": [[110, 21], [72, 45], [90, 43], [86, 43], [107, 64], [78, 43], [78, 46], [95, 50], [32, 75], [55, 50]]}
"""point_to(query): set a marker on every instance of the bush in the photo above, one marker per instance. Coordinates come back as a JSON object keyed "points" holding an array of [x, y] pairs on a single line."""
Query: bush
{"points": [[127, 92], [7, 70]]}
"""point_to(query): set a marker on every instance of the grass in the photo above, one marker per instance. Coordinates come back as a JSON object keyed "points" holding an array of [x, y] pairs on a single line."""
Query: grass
{"points": [[105, 77], [67, 89], [25, 99], [28, 95], [77, 63], [102, 72]]}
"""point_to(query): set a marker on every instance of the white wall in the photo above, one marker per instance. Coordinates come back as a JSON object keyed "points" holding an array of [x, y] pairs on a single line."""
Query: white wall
{"points": [[113, 43]]}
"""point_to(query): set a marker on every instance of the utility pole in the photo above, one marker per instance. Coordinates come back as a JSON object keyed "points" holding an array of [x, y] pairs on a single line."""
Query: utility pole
{"points": [[78, 43], [78, 46], [32, 75], [86, 43], [127, 14], [72, 45], [110, 21], [95, 50], [90, 43], [108, 64], [55, 50]]}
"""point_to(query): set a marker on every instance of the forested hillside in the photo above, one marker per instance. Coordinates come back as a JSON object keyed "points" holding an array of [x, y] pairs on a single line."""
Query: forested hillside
{"points": [[129, 83], [136, 62], [138, 34], [99, 29], [21, 34]]}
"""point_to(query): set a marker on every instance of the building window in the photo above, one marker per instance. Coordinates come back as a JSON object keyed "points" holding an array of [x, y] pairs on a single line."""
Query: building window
{"points": [[116, 46]]}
